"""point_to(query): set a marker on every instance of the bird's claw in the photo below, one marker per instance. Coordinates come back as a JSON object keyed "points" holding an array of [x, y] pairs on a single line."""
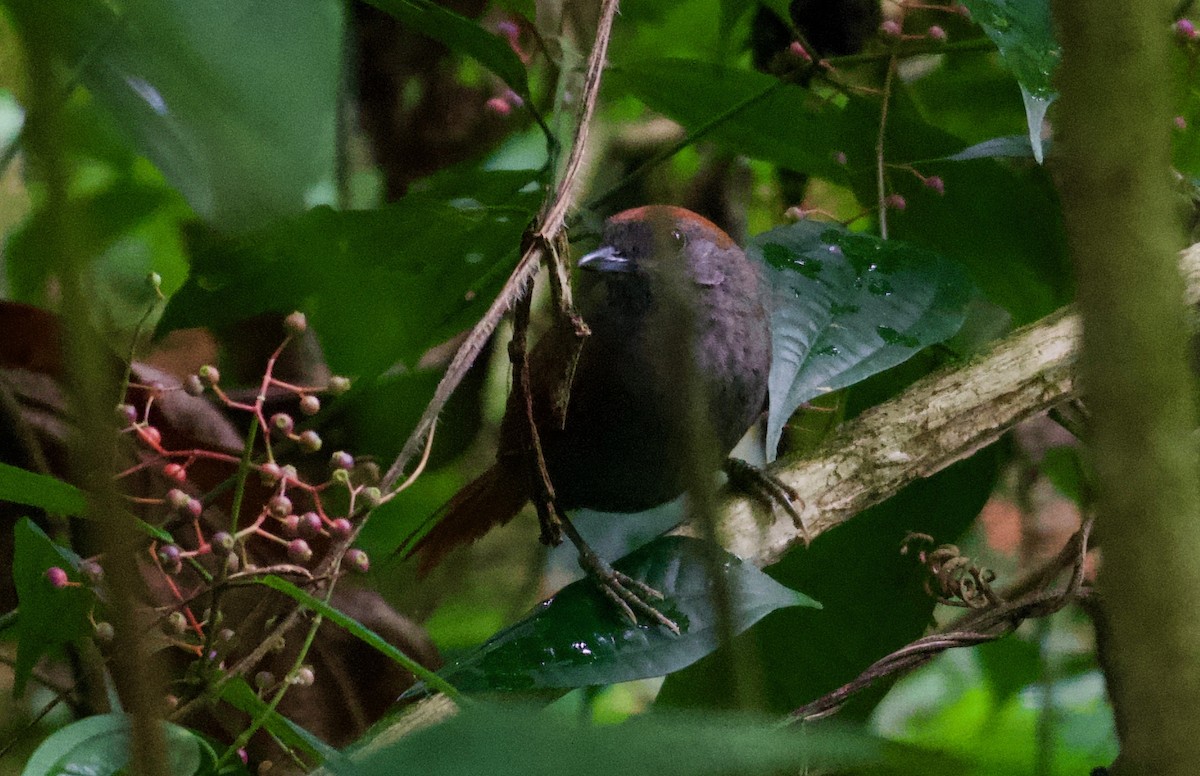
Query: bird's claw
{"points": [[767, 488], [630, 596]]}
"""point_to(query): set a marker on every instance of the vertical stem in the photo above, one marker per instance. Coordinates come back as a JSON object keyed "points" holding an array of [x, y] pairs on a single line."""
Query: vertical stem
{"points": [[1114, 140], [92, 382]]}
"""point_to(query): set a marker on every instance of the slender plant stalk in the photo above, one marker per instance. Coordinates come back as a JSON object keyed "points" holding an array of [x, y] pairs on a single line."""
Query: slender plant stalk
{"points": [[1114, 136]]}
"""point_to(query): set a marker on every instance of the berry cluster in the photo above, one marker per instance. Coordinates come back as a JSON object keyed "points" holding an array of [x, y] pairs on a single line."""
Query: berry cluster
{"points": [[296, 519]]}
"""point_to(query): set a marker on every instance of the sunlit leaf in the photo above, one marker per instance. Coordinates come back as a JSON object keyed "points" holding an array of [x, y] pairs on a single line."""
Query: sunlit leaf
{"points": [[578, 638], [100, 745], [847, 306], [236, 104]]}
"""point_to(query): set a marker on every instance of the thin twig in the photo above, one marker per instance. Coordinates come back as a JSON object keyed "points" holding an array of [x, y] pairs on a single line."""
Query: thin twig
{"points": [[547, 229], [977, 627], [880, 180]]}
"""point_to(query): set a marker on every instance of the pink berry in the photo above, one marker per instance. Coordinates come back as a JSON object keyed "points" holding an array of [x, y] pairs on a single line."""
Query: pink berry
{"points": [[298, 551], [509, 30], [341, 528], [936, 183], [209, 374], [194, 507], [357, 560], [291, 525], [175, 472], [498, 106], [177, 499], [270, 473], [310, 524], [150, 435], [127, 413], [310, 405], [891, 28], [341, 460], [279, 506], [168, 554], [295, 324], [310, 441], [840, 158], [57, 578], [937, 33], [796, 49], [895, 202], [1180, 123], [282, 422], [1185, 29], [338, 384]]}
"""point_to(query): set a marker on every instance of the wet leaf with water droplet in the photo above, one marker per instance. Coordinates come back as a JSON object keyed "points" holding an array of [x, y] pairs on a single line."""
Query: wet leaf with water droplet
{"points": [[1023, 30], [872, 304], [577, 638]]}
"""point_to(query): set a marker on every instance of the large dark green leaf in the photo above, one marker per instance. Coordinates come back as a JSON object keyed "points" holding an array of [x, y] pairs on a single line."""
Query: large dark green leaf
{"points": [[49, 617], [40, 490], [873, 599], [517, 741], [756, 115], [379, 286], [99, 746], [461, 35], [577, 638], [1021, 264], [236, 104], [847, 306]]}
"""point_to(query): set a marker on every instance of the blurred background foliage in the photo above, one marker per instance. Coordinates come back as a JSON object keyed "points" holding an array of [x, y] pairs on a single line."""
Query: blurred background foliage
{"points": [[375, 165]]}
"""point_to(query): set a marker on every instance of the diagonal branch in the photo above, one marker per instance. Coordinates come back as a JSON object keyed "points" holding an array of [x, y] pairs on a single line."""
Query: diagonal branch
{"points": [[942, 418], [539, 241], [939, 420]]}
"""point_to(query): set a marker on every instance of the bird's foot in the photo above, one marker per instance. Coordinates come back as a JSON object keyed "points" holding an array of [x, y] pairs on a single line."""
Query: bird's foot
{"points": [[630, 596], [768, 489]]}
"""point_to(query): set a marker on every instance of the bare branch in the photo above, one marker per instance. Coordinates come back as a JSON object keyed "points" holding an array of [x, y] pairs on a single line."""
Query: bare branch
{"points": [[546, 231]]}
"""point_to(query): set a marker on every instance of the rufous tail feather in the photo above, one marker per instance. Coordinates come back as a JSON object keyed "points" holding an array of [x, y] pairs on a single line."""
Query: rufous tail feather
{"points": [[490, 500]]}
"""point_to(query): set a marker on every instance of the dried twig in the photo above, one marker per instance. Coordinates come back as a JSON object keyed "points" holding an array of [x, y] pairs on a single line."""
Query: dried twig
{"points": [[1028, 598], [541, 237]]}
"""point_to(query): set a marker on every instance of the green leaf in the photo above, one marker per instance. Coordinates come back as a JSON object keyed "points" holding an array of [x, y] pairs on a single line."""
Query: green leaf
{"points": [[379, 286], [49, 617], [237, 105], [362, 632], [1023, 30], [40, 490], [238, 693], [517, 741], [99, 746], [461, 35], [1009, 146], [873, 599], [1063, 466], [847, 306], [759, 116], [577, 638]]}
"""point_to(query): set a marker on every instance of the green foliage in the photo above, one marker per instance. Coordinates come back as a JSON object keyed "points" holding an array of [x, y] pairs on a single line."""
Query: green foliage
{"points": [[39, 490], [49, 617], [578, 639], [99, 746], [514, 740], [873, 599], [848, 306]]}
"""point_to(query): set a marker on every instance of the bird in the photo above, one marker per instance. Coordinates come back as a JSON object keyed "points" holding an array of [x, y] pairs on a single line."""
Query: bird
{"points": [[663, 277]]}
